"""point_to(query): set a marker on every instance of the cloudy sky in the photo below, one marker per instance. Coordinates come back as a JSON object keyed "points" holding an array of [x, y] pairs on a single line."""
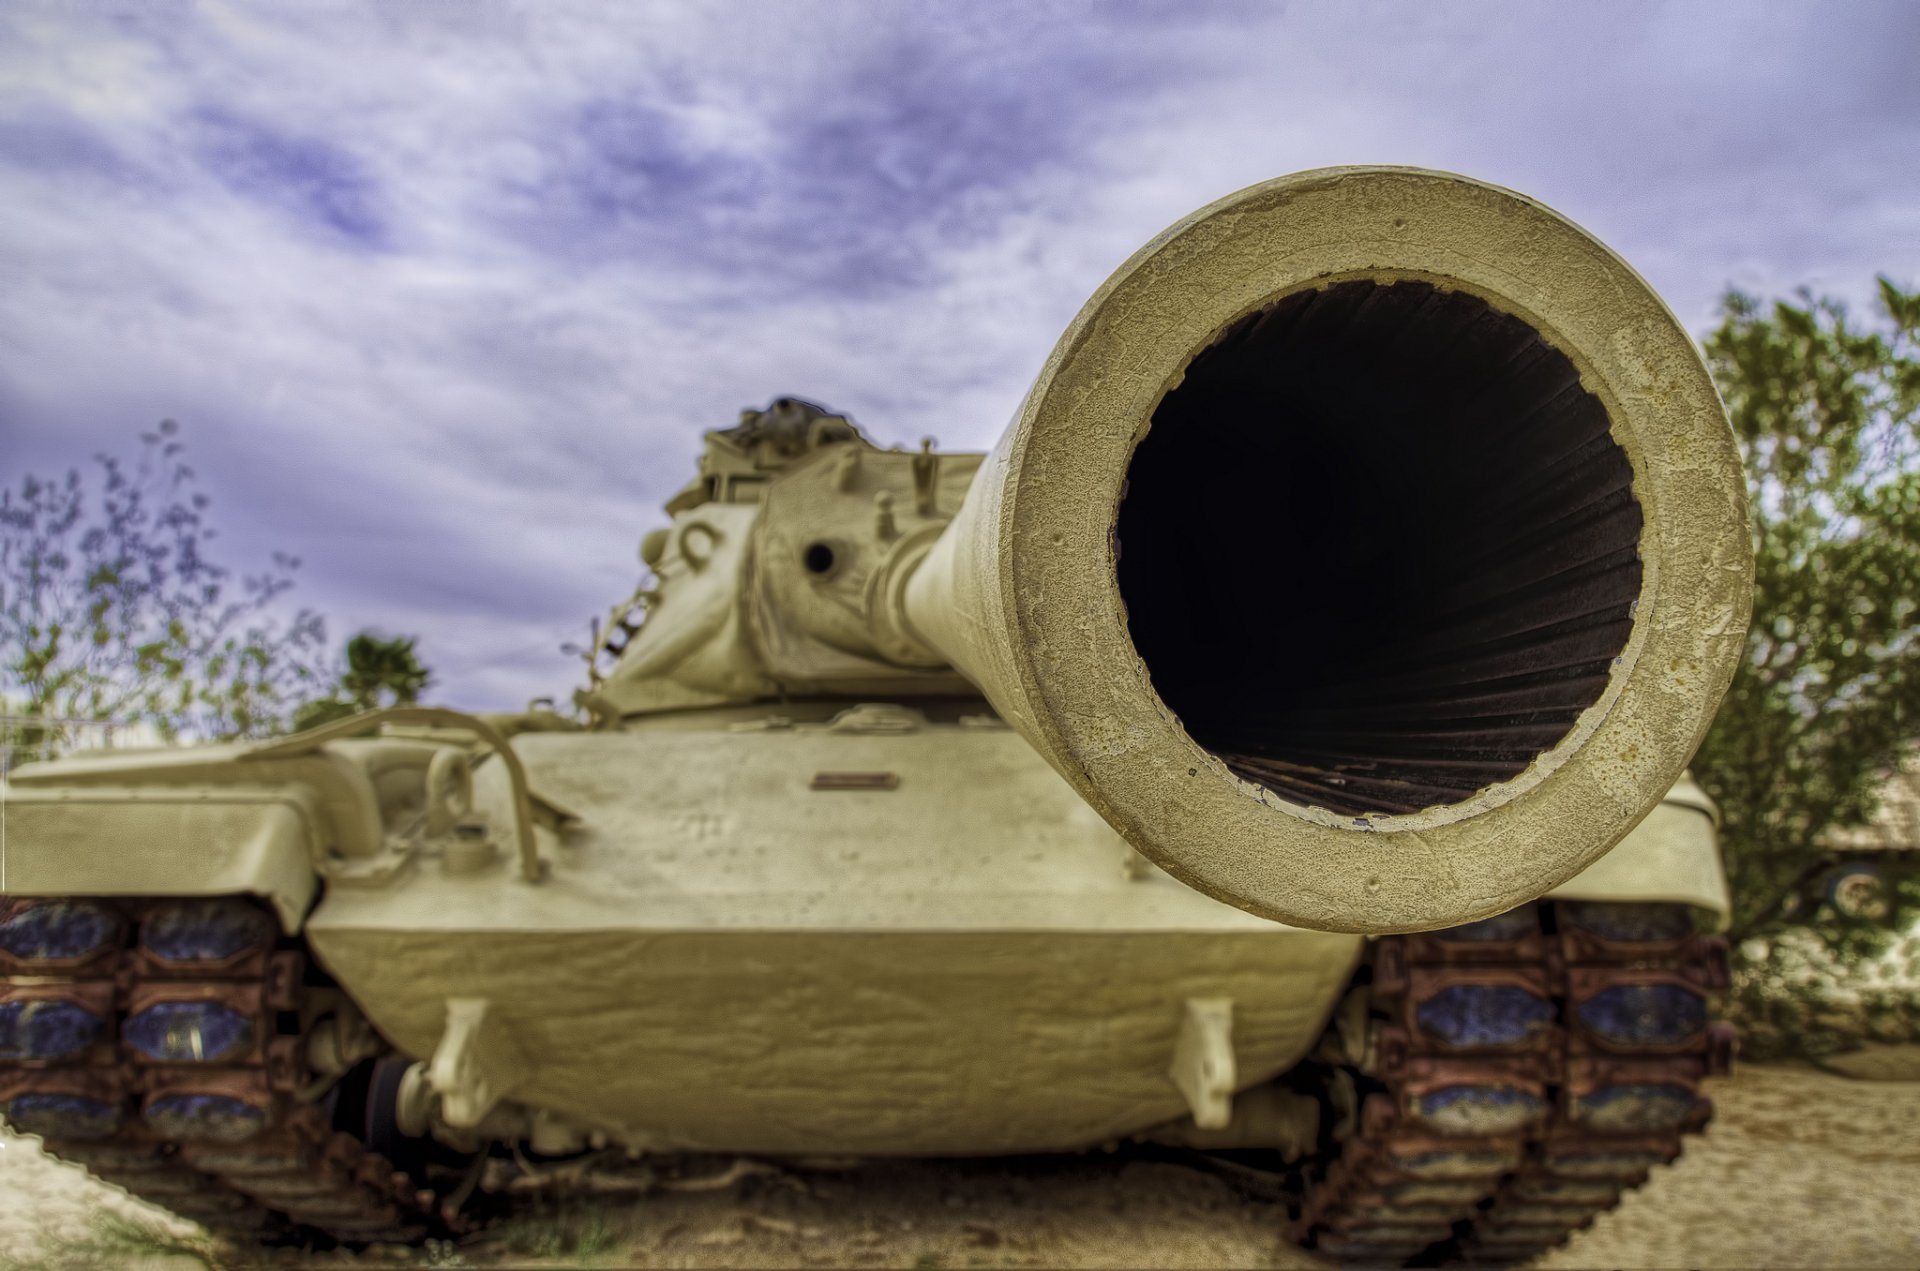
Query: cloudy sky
{"points": [[444, 293]]}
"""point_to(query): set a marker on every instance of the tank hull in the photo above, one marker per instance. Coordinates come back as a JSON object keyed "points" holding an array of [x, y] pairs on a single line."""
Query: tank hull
{"points": [[851, 1042], [959, 959], [967, 962]]}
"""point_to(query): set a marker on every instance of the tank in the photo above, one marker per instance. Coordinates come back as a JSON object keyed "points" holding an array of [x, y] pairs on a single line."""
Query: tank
{"points": [[1272, 752]]}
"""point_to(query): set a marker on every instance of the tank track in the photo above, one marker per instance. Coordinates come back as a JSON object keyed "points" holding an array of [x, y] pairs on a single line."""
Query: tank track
{"points": [[1522, 1074], [161, 1043]]}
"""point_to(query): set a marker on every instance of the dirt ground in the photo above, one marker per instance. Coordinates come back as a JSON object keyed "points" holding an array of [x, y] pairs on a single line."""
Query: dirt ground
{"points": [[1801, 1169]]}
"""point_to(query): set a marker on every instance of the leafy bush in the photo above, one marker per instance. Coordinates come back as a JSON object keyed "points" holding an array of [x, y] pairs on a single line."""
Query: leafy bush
{"points": [[1827, 414]]}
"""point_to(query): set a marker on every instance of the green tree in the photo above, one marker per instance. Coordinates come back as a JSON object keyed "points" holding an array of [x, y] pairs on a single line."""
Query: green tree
{"points": [[1828, 418], [110, 608], [1827, 413], [379, 672]]}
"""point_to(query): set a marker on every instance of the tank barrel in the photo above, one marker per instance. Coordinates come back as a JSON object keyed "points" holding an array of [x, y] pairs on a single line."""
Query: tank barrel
{"points": [[1371, 551]]}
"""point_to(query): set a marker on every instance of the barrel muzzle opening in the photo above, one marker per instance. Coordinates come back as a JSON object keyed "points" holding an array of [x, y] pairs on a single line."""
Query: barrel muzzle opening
{"points": [[1379, 549], [1371, 552]]}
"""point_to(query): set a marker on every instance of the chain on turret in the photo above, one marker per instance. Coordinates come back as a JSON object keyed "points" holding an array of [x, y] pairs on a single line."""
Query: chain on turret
{"points": [[162, 1044], [1526, 1071]]}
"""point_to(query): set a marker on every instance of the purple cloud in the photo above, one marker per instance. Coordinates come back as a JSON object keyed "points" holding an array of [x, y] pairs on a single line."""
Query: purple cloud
{"points": [[445, 296], [315, 181]]}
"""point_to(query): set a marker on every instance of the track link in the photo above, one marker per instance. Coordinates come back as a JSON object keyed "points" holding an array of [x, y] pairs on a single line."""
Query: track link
{"points": [[161, 1043], [1524, 1072]]}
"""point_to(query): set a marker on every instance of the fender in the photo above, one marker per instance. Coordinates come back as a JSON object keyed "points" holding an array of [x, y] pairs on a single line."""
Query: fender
{"points": [[264, 818], [1673, 855]]}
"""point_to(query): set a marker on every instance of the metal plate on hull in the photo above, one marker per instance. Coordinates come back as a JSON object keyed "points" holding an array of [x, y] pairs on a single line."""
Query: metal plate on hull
{"points": [[726, 959]]}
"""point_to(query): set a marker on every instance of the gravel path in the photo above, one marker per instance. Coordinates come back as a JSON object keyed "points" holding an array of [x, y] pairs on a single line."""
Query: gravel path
{"points": [[1801, 1169]]}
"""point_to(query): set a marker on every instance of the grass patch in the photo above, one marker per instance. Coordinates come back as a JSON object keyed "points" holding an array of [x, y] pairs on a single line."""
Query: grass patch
{"points": [[579, 1232], [118, 1240]]}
